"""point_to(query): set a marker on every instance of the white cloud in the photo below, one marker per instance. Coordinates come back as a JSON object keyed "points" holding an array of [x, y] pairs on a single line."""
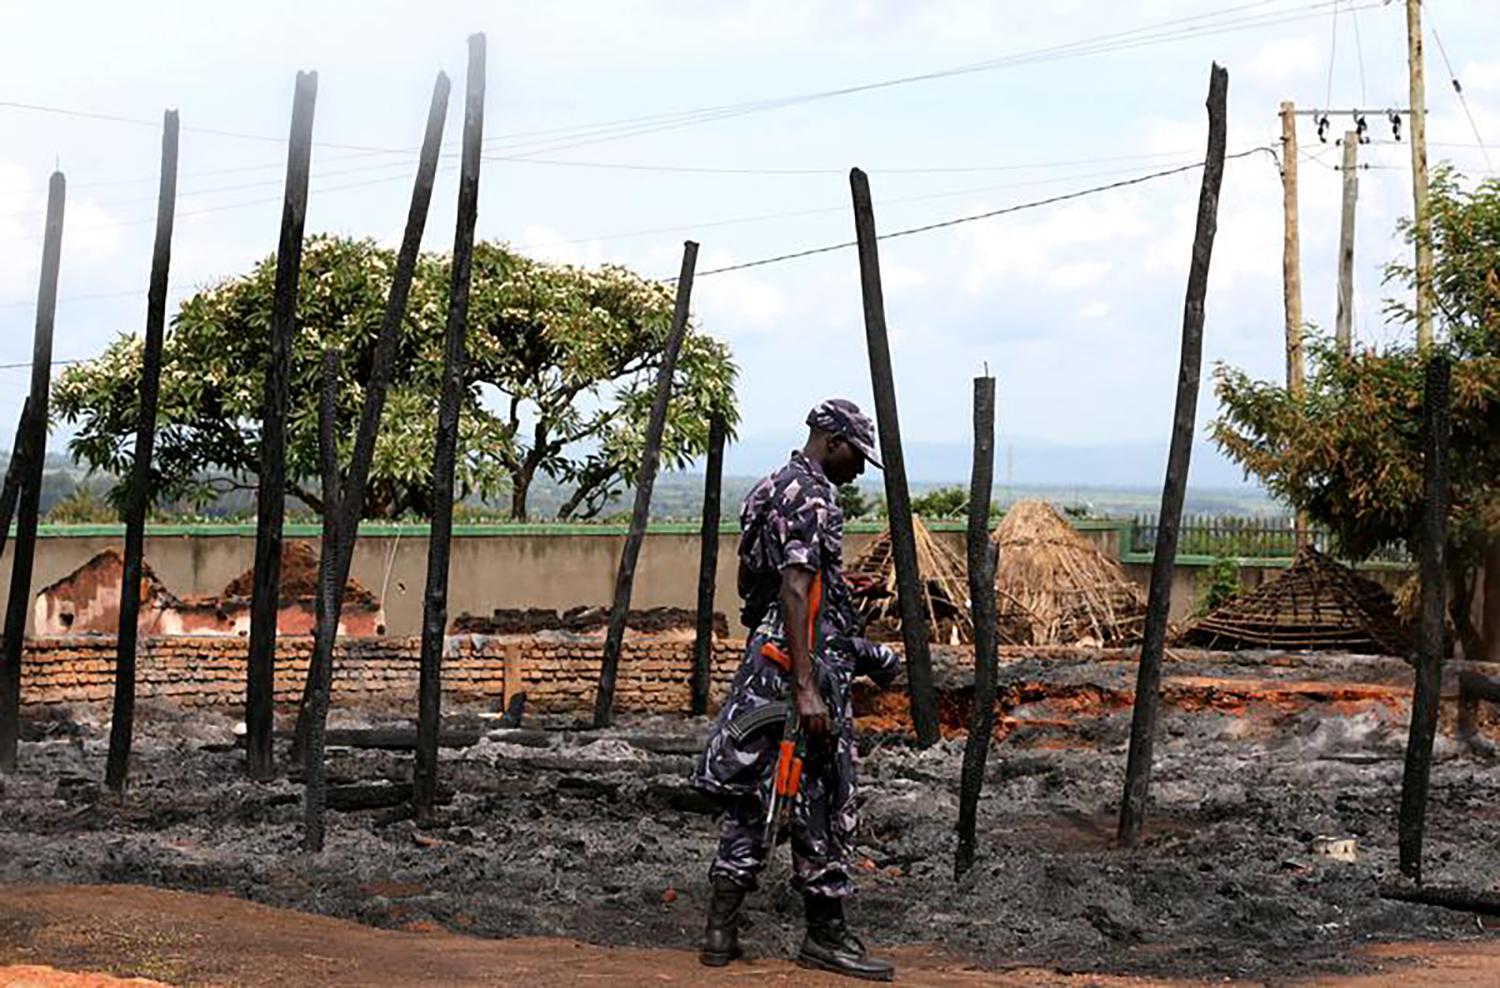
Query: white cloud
{"points": [[1095, 310], [737, 301], [1283, 60], [547, 244], [1079, 274], [1481, 76]]}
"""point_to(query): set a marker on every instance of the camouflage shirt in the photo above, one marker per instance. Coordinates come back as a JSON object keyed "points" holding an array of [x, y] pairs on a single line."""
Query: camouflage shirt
{"points": [[792, 518]]}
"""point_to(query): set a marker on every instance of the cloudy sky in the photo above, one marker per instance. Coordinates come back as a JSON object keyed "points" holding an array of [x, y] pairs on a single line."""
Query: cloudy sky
{"points": [[593, 154]]}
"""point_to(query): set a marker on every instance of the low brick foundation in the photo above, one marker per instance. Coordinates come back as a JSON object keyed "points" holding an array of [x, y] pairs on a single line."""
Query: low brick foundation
{"points": [[558, 673]]}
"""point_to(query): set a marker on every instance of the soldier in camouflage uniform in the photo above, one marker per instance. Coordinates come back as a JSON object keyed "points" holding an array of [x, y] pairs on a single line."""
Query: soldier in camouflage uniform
{"points": [[796, 599]]}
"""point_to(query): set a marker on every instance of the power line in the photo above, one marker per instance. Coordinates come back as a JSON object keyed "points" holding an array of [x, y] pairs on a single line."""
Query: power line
{"points": [[1459, 89], [1359, 49], [1333, 48], [974, 217]]}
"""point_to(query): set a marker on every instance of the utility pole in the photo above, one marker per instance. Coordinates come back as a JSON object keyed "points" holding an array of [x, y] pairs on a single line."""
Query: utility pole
{"points": [[1291, 269], [1422, 218], [1343, 325], [1291, 249]]}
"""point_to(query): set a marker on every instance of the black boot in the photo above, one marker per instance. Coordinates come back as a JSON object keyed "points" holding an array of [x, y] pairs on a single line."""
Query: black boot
{"points": [[721, 937], [829, 946]]}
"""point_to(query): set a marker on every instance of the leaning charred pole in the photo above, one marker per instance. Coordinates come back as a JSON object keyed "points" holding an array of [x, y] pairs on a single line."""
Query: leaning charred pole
{"points": [[1433, 643], [19, 603], [270, 501], [343, 502], [10, 491], [138, 495], [645, 480], [982, 559], [1159, 600], [708, 566], [914, 630], [435, 599]]}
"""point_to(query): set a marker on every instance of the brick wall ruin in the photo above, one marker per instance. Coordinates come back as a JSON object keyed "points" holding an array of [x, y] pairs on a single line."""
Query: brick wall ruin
{"points": [[557, 672]]}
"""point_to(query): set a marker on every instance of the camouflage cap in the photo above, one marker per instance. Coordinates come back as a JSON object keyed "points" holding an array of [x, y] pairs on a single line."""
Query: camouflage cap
{"points": [[842, 417]]}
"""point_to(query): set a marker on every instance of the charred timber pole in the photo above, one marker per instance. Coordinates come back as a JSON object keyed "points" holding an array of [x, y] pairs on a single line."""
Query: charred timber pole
{"points": [[982, 560], [1432, 644], [138, 496], [708, 565], [346, 514], [19, 602], [320, 673], [260, 676], [1148, 680], [619, 611], [435, 598], [11, 491], [914, 631]]}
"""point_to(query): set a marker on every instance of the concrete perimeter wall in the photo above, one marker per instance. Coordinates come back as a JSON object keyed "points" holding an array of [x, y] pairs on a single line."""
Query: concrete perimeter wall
{"points": [[553, 566]]}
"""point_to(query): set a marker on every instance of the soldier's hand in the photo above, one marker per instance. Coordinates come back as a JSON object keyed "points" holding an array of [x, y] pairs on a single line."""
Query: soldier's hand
{"points": [[812, 711]]}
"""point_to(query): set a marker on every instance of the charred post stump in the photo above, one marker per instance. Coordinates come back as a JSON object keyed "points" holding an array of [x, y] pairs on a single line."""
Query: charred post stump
{"points": [[138, 496], [10, 492], [19, 603], [435, 599], [1159, 600], [914, 630], [708, 566], [1432, 644], [614, 639], [983, 552], [270, 500]]}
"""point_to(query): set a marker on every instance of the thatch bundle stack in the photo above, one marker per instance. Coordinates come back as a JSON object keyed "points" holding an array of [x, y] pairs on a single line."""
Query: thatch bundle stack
{"points": [[1317, 604], [1055, 587], [944, 583]]}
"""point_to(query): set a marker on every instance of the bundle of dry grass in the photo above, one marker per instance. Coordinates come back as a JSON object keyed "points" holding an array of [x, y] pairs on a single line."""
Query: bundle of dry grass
{"points": [[1054, 587], [944, 583], [1317, 604]]}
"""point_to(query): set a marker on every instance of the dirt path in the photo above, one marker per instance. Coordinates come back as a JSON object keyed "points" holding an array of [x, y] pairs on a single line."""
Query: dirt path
{"points": [[68, 936]]}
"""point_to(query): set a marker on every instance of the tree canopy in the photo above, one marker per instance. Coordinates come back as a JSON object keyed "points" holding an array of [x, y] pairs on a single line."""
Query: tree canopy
{"points": [[1348, 451], [561, 364]]}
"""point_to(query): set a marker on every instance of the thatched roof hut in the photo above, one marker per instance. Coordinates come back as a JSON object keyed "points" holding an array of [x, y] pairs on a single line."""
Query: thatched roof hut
{"points": [[944, 582], [1055, 587], [1318, 603]]}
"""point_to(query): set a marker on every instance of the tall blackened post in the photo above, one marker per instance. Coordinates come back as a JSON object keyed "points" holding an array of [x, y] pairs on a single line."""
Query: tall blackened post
{"points": [[10, 491], [19, 602], [982, 558], [1148, 679], [914, 630], [344, 502], [614, 639], [138, 495], [1433, 644], [708, 566], [435, 601], [260, 677]]}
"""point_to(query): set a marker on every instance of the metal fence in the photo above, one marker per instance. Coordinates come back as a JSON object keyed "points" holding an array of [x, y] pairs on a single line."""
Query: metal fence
{"points": [[1243, 537]]}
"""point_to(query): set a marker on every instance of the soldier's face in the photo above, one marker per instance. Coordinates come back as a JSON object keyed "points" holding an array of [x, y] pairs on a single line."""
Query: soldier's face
{"points": [[845, 462]]}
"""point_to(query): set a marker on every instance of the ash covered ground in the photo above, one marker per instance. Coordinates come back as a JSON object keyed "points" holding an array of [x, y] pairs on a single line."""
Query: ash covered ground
{"points": [[593, 835]]}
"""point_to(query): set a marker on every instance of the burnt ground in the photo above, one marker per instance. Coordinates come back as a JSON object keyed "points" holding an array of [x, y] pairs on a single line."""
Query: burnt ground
{"points": [[592, 837]]}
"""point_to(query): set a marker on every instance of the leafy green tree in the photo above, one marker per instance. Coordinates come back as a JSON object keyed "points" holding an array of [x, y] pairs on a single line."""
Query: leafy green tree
{"points": [[853, 502], [1349, 450], [941, 502], [561, 365]]}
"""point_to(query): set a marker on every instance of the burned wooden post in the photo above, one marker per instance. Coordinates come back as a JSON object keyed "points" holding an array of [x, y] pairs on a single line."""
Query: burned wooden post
{"points": [[708, 566], [614, 640], [914, 630], [343, 503], [10, 492], [270, 501], [1174, 489], [435, 599], [330, 594], [982, 558], [19, 603], [1432, 645], [138, 495]]}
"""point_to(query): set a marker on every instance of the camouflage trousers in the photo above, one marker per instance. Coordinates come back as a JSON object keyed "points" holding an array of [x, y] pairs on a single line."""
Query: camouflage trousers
{"points": [[819, 865]]}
